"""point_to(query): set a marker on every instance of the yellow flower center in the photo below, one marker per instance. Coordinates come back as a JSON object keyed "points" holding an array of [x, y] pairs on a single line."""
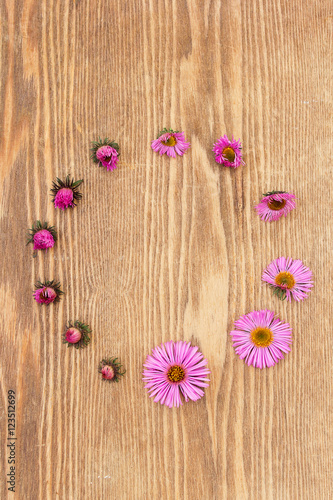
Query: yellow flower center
{"points": [[170, 142], [285, 279], [229, 154], [262, 337], [176, 373], [276, 204]]}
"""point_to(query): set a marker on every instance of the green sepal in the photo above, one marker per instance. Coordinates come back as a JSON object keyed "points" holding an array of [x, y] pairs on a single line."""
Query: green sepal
{"points": [[274, 192], [281, 293], [167, 131]]}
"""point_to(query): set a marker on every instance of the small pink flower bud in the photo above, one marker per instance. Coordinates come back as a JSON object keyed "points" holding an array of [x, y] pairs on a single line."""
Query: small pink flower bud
{"points": [[43, 239], [73, 335], [47, 292], [105, 153], [76, 334], [107, 372], [66, 193], [110, 369], [45, 295], [108, 157], [64, 198]]}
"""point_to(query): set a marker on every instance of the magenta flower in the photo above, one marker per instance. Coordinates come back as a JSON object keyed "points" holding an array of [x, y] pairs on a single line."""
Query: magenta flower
{"points": [[73, 335], [175, 368], [64, 198], [275, 204], [170, 142], [47, 292], [105, 153], [107, 372], [43, 240], [65, 193], [261, 339], [110, 369], [42, 236], [77, 335], [228, 153], [289, 278]]}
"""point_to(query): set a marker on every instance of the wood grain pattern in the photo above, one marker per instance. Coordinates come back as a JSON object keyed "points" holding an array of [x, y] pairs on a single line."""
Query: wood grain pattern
{"points": [[165, 249]]}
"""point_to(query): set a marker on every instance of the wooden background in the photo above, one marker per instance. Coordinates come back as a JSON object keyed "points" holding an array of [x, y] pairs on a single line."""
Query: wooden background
{"points": [[165, 249]]}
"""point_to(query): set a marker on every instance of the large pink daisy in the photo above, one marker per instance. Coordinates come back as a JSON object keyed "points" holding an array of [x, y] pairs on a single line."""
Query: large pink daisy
{"points": [[171, 143], [175, 368], [275, 204], [228, 153], [261, 339], [289, 278]]}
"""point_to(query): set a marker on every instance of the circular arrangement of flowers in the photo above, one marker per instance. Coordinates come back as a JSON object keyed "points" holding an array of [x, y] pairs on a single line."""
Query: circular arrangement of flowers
{"points": [[175, 369], [260, 338]]}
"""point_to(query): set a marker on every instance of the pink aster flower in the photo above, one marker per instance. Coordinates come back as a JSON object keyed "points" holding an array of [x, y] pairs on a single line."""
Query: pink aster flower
{"points": [[108, 157], [111, 369], [275, 204], [105, 153], [64, 198], [43, 240], [228, 153], [107, 372], [42, 236], [261, 338], [175, 368], [65, 193], [47, 292], [76, 335], [73, 335], [171, 143], [289, 278]]}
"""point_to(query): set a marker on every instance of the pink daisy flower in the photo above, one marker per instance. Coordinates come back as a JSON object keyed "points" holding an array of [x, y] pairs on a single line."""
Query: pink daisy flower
{"points": [[175, 368], [65, 193], [261, 339], [42, 236], [47, 292], [289, 278], [105, 153], [170, 142], [228, 153], [275, 204]]}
